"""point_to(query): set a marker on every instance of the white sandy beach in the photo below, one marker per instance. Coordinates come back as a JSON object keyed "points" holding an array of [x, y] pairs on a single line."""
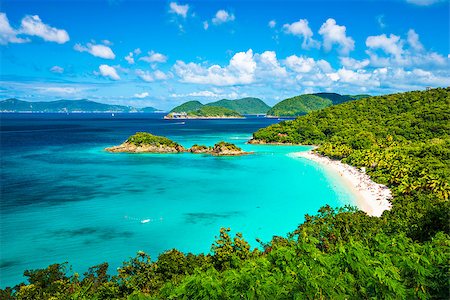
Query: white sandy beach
{"points": [[372, 198]]}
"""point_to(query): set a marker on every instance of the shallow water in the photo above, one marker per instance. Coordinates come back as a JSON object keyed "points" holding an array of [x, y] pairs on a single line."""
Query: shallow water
{"points": [[65, 199]]}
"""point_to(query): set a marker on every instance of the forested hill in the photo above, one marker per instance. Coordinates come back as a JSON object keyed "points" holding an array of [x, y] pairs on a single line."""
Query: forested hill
{"points": [[402, 140], [302, 104], [244, 106]]}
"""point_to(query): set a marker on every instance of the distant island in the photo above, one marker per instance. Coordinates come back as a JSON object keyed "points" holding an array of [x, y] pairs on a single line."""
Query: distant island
{"points": [[144, 142], [67, 106], [206, 112], [303, 104], [222, 109]]}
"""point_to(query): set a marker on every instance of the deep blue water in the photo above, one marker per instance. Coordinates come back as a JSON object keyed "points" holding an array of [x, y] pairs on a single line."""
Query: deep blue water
{"points": [[63, 198]]}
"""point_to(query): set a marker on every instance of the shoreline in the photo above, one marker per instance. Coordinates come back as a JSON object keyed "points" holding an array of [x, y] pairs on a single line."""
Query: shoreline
{"points": [[371, 197]]}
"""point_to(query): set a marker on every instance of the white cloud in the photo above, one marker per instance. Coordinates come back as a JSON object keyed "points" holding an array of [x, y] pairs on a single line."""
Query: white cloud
{"points": [[179, 9], [240, 70], [141, 95], [148, 76], [7, 33], [336, 34], [301, 28], [424, 2], [222, 16], [413, 40], [268, 65], [154, 57], [205, 25], [137, 51], [59, 90], [129, 58], [108, 71], [97, 50], [380, 21], [272, 23], [354, 64], [33, 25], [57, 69], [302, 64], [390, 45]]}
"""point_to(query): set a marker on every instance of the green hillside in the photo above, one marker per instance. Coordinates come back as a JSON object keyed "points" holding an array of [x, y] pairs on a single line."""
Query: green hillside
{"points": [[187, 107], [298, 105], [213, 111], [245, 106]]}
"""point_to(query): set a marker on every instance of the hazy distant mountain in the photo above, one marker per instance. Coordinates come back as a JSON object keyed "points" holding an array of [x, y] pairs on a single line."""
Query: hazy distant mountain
{"points": [[62, 106]]}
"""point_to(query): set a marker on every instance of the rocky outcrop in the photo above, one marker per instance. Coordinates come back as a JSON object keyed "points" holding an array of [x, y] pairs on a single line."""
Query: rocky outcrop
{"points": [[200, 149], [132, 148]]}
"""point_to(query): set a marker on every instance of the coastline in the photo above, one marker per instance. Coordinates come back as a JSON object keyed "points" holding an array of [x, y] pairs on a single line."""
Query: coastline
{"points": [[371, 197]]}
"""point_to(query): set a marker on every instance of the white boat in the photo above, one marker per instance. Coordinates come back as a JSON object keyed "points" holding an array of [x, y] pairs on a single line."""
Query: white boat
{"points": [[145, 221]]}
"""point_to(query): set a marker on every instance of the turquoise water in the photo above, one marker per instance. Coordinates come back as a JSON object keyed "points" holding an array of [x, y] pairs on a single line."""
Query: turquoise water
{"points": [[65, 199]]}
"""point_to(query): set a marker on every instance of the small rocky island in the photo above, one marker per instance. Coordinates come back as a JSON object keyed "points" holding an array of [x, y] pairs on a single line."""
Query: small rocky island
{"points": [[144, 142]]}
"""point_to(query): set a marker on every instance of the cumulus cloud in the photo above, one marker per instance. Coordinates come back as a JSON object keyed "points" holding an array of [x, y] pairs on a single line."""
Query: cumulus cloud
{"points": [[154, 57], [334, 34], [7, 33], [108, 71], [240, 70], [148, 76], [413, 40], [179, 9], [268, 66], [396, 51], [57, 69], [205, 25], [272, 23], [33, 25], [354, 64], [302, 64], [222, 16], [390, 45], [97, 50], [141, 95], [301, 29], [129, 58]]}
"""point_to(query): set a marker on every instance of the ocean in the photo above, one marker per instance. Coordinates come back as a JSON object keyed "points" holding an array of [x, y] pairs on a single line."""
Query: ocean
{"points": [[64, 199]]}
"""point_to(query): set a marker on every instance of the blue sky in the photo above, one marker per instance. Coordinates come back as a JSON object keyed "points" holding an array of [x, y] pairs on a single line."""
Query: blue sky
{"points": [[162, 53]]}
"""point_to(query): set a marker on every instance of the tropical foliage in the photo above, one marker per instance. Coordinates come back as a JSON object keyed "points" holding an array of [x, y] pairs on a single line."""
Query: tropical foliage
{"points": [[187, 107], [145, 138], [402, 140], [213, 111]]}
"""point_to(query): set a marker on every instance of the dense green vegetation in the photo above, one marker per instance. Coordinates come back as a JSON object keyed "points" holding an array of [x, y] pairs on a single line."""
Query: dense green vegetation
{"points": [[299, 105], [187, 107], [401, 139], [226, 146], [63, 106], [244, 106], [302, 104], [145, 138], [213, 111]]}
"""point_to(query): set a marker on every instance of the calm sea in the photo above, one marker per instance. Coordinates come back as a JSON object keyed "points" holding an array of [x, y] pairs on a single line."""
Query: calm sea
{"points": [[63, 198]]}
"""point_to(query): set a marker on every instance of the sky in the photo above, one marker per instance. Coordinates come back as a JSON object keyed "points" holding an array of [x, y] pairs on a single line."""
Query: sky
{"points": [[163, 53]]}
